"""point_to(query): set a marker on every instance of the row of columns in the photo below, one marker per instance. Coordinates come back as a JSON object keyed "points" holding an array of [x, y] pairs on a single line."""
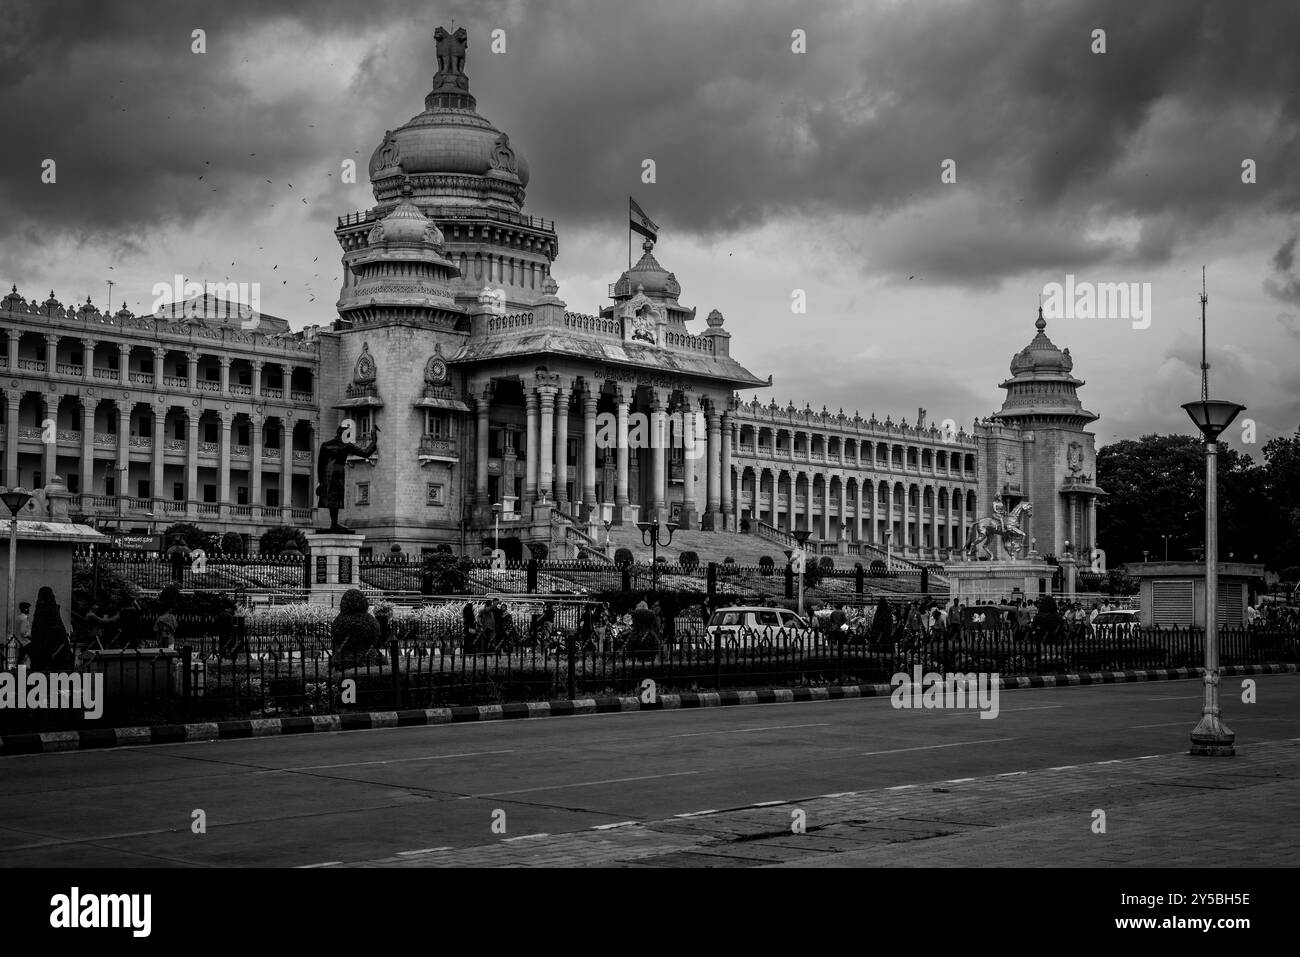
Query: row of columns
{"points": [[192, 358], [87, 463], [546, 411], [858, 460], [955, 510]]}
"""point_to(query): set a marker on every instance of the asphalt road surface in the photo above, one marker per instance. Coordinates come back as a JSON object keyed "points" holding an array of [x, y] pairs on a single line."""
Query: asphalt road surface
{"points": [[413, 794]]}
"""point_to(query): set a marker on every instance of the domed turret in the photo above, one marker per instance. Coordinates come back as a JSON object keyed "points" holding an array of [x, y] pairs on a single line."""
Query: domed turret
{"points": [[1041, 390]]}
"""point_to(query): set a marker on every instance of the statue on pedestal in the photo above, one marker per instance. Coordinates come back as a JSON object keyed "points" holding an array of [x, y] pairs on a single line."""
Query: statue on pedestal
{"points": [[331, 468], [1002, 530]]}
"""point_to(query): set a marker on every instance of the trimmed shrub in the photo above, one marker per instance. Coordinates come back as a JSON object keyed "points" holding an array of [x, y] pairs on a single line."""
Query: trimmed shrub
{"points": [[354, 634], [728, 560], [232, 543], [689, 560], [623, 556], [827, 564], [539, 550], [765, 565], [879, 568], [190, 535], [280, 539]]}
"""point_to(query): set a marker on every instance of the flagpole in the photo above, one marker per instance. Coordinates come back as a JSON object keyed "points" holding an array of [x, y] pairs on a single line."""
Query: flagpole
{"points": [[629, 232]]}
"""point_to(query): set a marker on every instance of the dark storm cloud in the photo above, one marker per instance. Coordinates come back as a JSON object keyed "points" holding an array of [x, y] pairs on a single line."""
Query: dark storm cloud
{"points": [[1047, 136], [1283, 284]]}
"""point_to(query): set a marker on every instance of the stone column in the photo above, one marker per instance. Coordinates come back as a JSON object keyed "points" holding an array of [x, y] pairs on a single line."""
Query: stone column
{"points": [[87, 447], [159, 366], [51, 352], [624, 400], [257, 379], [807, 504], [534, 450], [11, 427], [482, 404], [690, 452], [952, 534], [286, 464], [255, 424], [50, 452], [123, 445], [159, 445], [13, 351], [124, 365], [192, 362], [225, 376], [223, 469], [826, 508], [589, 400], [714, 502], [88, 361], [658, 416], [562, 448], [934, 515], [728, 423], [546, 442]]}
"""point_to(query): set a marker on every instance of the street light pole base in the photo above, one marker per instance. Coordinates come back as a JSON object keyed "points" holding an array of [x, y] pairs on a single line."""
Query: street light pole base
{"points": [[1212, 738]]}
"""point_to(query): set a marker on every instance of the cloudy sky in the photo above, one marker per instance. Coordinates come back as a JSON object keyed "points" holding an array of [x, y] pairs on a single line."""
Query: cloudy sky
{"points": [[775, 171]]}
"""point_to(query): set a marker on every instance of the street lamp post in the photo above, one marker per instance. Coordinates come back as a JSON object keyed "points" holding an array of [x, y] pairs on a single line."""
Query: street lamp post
{"points": [[889, 549], [16, 499], [496, 527], [1166, 538], [650, 536], [1211, 737]]}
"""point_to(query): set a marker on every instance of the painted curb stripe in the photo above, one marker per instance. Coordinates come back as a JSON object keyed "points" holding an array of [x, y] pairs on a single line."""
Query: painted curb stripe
{"points": [[52, 741]]}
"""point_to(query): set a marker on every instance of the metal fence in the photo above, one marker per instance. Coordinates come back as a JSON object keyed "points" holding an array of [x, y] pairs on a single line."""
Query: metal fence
{"points": [[265, 667]]}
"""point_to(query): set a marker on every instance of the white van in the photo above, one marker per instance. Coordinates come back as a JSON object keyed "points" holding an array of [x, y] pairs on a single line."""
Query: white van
{"points": [[757, 626]]}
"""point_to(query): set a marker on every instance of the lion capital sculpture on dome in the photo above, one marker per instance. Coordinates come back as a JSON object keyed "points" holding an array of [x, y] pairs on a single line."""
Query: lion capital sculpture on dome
{"points": [[451, 48]]}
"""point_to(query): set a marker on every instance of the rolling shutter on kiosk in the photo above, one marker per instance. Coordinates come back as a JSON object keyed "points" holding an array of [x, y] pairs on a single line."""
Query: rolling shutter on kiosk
{"points": [[1230, 612], [1171, 603]]}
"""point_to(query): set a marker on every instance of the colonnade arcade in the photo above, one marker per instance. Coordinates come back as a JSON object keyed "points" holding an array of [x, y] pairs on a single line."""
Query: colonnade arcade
{"points": [[610, 446]]}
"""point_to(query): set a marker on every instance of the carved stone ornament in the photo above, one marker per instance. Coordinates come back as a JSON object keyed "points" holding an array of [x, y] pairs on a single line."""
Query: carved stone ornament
{"points": [[364, 371]]}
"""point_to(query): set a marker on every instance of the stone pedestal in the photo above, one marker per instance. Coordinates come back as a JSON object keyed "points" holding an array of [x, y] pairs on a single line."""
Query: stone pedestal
{"points": [[998, 580], [335, 564]]}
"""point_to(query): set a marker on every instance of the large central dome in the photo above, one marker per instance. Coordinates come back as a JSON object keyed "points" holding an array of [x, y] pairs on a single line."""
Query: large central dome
{"points": [[435, 150]]}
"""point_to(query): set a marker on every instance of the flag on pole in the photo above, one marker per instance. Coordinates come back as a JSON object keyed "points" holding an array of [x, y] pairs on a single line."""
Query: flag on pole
{"points": [[639, 221]]}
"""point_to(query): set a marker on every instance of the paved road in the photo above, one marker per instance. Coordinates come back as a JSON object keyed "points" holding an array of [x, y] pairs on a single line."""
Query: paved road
{"points": [[679, 788]]}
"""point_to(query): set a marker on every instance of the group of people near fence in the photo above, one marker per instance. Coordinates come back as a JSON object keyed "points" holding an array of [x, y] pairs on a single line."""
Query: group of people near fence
{"points": [[41, 639]]}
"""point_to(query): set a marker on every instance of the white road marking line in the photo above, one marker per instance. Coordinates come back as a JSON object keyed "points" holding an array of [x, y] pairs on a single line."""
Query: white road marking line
{"points": [[1148, 757], [1064, 767], [578, 784], [423, 850], [958, 780], [934, 747], [900, 787], [775, 727], [1012, 774], [1167, 724], [1114, 761], [1185, 697], [361, 764], [522, 837], [610, 827], [697, 813], [967, 711], [307, 867], [769, 803], [841, 794]]}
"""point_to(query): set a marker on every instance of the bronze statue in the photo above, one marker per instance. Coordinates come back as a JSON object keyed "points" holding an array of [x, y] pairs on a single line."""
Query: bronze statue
{"points": [[331, 469], [1003, 528]]}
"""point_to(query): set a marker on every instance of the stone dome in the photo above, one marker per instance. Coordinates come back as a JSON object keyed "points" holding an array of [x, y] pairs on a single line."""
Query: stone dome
{"points": [[406, 224], [442, 140], [648, 277], [1041, 355]]}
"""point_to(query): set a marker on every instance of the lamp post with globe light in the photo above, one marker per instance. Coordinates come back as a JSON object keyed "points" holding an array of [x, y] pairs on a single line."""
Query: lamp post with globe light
{"points": [[1211, 737], [650, 536], [802, 538], [16, 499]]}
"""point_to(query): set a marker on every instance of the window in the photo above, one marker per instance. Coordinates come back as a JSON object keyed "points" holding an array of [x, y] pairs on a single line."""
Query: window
{"points": [[178, 429], [241, 434], [74, 484], [144, 425], [110, 485], [363, 493], [434, 494], [181, 371], [36, 480], [437, 424], [272, 497], [209, 493], [241, 495], [209, 431], [178, 491], [142, 488]]}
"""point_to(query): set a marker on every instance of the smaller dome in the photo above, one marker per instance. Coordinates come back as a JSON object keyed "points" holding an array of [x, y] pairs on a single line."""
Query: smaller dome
{"points": [[714, 319], [649, 277], [1041, 355], [406, 224]]}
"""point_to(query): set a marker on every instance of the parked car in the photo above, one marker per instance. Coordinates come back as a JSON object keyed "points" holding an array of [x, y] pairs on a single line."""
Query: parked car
{"points": [[1115, 624], [755, 625]]}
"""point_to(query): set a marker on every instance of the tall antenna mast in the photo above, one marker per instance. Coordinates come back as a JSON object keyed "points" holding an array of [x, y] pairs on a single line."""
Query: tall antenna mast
{"points": [[1205, 366], [111, 284]]}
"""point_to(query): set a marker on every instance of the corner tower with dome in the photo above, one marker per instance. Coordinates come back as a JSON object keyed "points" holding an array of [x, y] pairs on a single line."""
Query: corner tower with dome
{"points": [[1037, 448]]}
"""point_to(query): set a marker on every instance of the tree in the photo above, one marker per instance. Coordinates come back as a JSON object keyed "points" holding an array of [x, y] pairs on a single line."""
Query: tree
{"points": [[232, 543], [281, 538], [190, 535], [623, 556]]}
